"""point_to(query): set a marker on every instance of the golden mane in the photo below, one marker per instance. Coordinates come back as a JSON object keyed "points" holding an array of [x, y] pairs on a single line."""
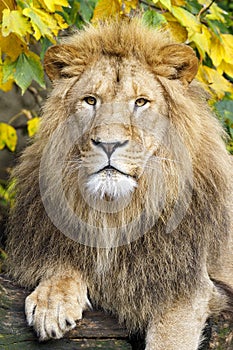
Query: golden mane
{"points": [[123, 39]]}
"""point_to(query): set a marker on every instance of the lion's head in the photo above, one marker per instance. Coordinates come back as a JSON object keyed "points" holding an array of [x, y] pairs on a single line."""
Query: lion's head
{"points": [[127, 129]]}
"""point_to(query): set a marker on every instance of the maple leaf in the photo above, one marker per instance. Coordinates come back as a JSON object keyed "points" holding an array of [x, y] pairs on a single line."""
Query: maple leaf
{"points": [[43, 23], [225, 67], [202, 40], [214, 81], [14, 22]]}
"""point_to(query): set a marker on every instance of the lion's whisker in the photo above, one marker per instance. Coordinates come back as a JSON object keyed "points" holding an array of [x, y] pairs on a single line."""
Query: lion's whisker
{"points": [[157, 159]]}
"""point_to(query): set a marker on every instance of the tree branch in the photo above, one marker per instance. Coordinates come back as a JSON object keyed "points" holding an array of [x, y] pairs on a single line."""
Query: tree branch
{"points": [[149, 4], [204, 9]]}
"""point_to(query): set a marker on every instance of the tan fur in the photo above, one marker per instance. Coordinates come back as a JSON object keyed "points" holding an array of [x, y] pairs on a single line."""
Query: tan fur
{"points": [[154, 271], [55, 304]]}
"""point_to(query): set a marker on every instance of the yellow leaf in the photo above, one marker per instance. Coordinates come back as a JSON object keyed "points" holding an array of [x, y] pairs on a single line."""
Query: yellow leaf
{"points": [[43, 23], [225, 67], [164, 3], [214, 81], [7, 86], [52, 5], [32, 126], [178, 32], [60, 21], [8, 136], [216, 14], [227, 40], [202, 40], [14, 22], [222, 49], [217, 51], [9, 4], [187, 20], [12, 46], [105, 9], [178, 2]]}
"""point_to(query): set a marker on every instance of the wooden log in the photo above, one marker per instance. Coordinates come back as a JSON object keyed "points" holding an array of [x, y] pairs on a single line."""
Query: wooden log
{"points": [[95, 331]]}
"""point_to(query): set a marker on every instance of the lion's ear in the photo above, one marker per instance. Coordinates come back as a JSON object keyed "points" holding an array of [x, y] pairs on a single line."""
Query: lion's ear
{"points": [[57, 59], [179, 62]]}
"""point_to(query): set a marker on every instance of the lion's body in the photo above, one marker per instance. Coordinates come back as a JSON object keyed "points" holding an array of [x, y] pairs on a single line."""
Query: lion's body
{"points": [[144, 270]]}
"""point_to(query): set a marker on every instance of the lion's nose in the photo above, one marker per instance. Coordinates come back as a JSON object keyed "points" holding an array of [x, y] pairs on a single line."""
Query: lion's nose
{"points": [[109, 147]]}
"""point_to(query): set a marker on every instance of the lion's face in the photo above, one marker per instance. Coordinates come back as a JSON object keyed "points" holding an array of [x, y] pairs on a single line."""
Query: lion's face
{"points": [[111, 87], [121, 115]]}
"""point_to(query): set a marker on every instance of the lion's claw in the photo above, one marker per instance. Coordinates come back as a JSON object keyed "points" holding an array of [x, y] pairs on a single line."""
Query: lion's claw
{"points": [[54, 306]]}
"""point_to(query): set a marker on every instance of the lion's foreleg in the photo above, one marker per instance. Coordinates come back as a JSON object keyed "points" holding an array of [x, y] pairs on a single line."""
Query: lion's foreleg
{"points": [[180, 328], [56, 304]]}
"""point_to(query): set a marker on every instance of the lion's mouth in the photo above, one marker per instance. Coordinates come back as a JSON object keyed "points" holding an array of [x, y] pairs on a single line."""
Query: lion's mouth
{"points": [[111, 170], [111, 183]]}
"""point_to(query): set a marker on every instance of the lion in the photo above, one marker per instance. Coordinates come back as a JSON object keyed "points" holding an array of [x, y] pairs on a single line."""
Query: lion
{"points": [[124, 198]]}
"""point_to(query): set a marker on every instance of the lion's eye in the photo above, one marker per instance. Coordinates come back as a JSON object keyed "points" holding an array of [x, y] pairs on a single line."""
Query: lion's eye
{"points": [[90, 100], [141, 102]]}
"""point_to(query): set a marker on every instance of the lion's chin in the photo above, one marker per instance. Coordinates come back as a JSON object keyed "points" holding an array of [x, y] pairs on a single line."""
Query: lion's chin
{"points": [[111, 186]]}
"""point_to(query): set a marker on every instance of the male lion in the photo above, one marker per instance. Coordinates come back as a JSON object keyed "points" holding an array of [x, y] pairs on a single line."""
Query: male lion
{"points": [[126, 191]]}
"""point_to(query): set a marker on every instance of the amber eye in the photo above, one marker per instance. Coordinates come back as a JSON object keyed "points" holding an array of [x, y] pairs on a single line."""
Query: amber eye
{"points": [[141, 102], [90, 100]]}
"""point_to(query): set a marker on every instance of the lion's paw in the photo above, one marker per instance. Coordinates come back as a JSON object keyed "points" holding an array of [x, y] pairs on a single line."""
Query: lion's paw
{"points": [[55, 305]]}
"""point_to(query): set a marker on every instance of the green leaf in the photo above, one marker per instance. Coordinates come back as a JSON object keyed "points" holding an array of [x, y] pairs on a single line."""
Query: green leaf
{"points": [[28, 68], [45, 44], [193, 7], [7, 194], [87, 8], [225, 109], [23, 3], [70, 13], [213, 25], [154, 18], [8, 70]]}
